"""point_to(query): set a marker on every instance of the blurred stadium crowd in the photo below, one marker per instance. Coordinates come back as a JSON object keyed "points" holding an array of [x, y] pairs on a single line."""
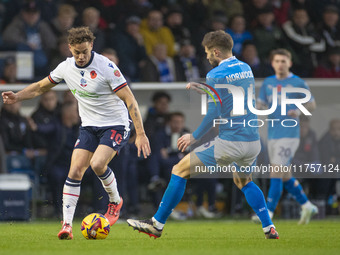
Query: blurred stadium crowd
{"points": [[159, 41]]}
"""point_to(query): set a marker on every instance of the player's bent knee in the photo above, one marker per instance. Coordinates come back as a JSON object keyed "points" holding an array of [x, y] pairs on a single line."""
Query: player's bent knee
{"points": [[98, 166], [241, 182], [177, 170], [76, 173]]}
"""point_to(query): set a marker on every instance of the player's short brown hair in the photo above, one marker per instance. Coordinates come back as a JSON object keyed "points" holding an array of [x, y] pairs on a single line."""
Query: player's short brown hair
{"points": [[282, 52], [78, 35], [218, 39]]}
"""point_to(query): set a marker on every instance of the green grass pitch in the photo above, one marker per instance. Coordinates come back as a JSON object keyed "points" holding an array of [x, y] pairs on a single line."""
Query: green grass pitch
{"points": [[191, 237]]}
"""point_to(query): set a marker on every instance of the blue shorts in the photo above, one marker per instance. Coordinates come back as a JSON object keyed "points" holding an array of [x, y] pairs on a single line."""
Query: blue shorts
{"points": [[113, 136]]}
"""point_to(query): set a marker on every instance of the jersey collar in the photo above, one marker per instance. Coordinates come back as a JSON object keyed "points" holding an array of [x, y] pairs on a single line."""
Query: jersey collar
{"points": [[227, 60], [89, 63], [290, 75]]}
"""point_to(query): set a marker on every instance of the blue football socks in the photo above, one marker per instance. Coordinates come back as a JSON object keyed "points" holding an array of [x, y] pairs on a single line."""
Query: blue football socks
{"points": [[256, 200], [274, 193], [295, 188], [172, 196]]}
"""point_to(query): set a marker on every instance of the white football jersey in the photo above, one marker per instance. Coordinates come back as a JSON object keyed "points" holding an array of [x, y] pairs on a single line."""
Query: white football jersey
{"points": [[94, 86]]}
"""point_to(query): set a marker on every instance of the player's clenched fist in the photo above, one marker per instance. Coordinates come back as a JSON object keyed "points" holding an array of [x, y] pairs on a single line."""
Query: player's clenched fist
{"points": [[9, 97]]}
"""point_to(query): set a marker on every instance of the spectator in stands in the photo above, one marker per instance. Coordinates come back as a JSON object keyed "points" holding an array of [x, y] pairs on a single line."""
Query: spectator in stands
{"points": [[64, 21], [307, 152], [129, 44], [330, 29], [111, 54], [29, 33], [165, 153], [10, 71], [267, 36], [304, 42], [155, 33], [68, 97], [250, 56], [48, 109], [3, 166], [79, 7], [237, 31], [195, 14], [156, 116], [158, 67], [228, 7], [314, 8], [330, 144], [62, 133], [331, 67], [186, 63], [252, 8], [207, 185], [281, 10], [46, 113], [60, 53], [218, 22], [91, 18], [17, 138], [174, 21], [329, 147]]}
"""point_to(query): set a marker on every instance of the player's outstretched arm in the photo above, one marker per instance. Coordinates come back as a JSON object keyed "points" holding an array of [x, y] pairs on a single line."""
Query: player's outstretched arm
{"points": [[142, 142], [31, 91], [196, 87]]}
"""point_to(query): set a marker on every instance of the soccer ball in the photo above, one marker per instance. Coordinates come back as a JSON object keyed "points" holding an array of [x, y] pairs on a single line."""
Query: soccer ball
{"points": [[95, 226]]}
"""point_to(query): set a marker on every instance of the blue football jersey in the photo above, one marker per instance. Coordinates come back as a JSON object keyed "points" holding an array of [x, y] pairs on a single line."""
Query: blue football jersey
{"points": [[275, 129], [237, 73]]}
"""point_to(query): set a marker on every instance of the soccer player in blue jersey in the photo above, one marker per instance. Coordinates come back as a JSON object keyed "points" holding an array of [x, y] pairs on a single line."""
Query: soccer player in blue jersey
{"points": [[235, 144], [284, 141]]}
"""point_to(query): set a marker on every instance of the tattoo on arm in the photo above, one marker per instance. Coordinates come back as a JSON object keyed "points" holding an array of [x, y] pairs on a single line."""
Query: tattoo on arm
{"points": [[134, 113]]}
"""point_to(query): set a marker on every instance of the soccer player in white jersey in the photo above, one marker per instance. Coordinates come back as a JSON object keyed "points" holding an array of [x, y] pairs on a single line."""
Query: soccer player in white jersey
{"points": [[235, 144], [284, 141], [102, 92]]}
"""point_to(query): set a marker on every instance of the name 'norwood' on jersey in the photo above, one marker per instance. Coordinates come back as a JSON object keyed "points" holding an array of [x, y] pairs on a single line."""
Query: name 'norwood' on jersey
{"points": [[239, 76]]}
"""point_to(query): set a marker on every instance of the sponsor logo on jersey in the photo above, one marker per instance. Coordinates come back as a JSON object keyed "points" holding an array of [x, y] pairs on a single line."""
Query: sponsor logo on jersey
{"points": [[110, 65], [116, 73], [82, 73], [83, 83], [93, 74]]}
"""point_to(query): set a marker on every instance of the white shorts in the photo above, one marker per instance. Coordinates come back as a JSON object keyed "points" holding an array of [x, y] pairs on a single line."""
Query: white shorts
{"points": [[281, 151], [224, 153]]}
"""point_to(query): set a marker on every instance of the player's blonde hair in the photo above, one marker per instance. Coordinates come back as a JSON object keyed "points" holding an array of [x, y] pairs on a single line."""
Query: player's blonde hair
{"points": [[78, 35], [218, 39]]}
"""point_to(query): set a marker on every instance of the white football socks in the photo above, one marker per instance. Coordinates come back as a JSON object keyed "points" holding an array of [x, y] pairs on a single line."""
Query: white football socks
{"points": [[71, 194], [157, 224]]}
